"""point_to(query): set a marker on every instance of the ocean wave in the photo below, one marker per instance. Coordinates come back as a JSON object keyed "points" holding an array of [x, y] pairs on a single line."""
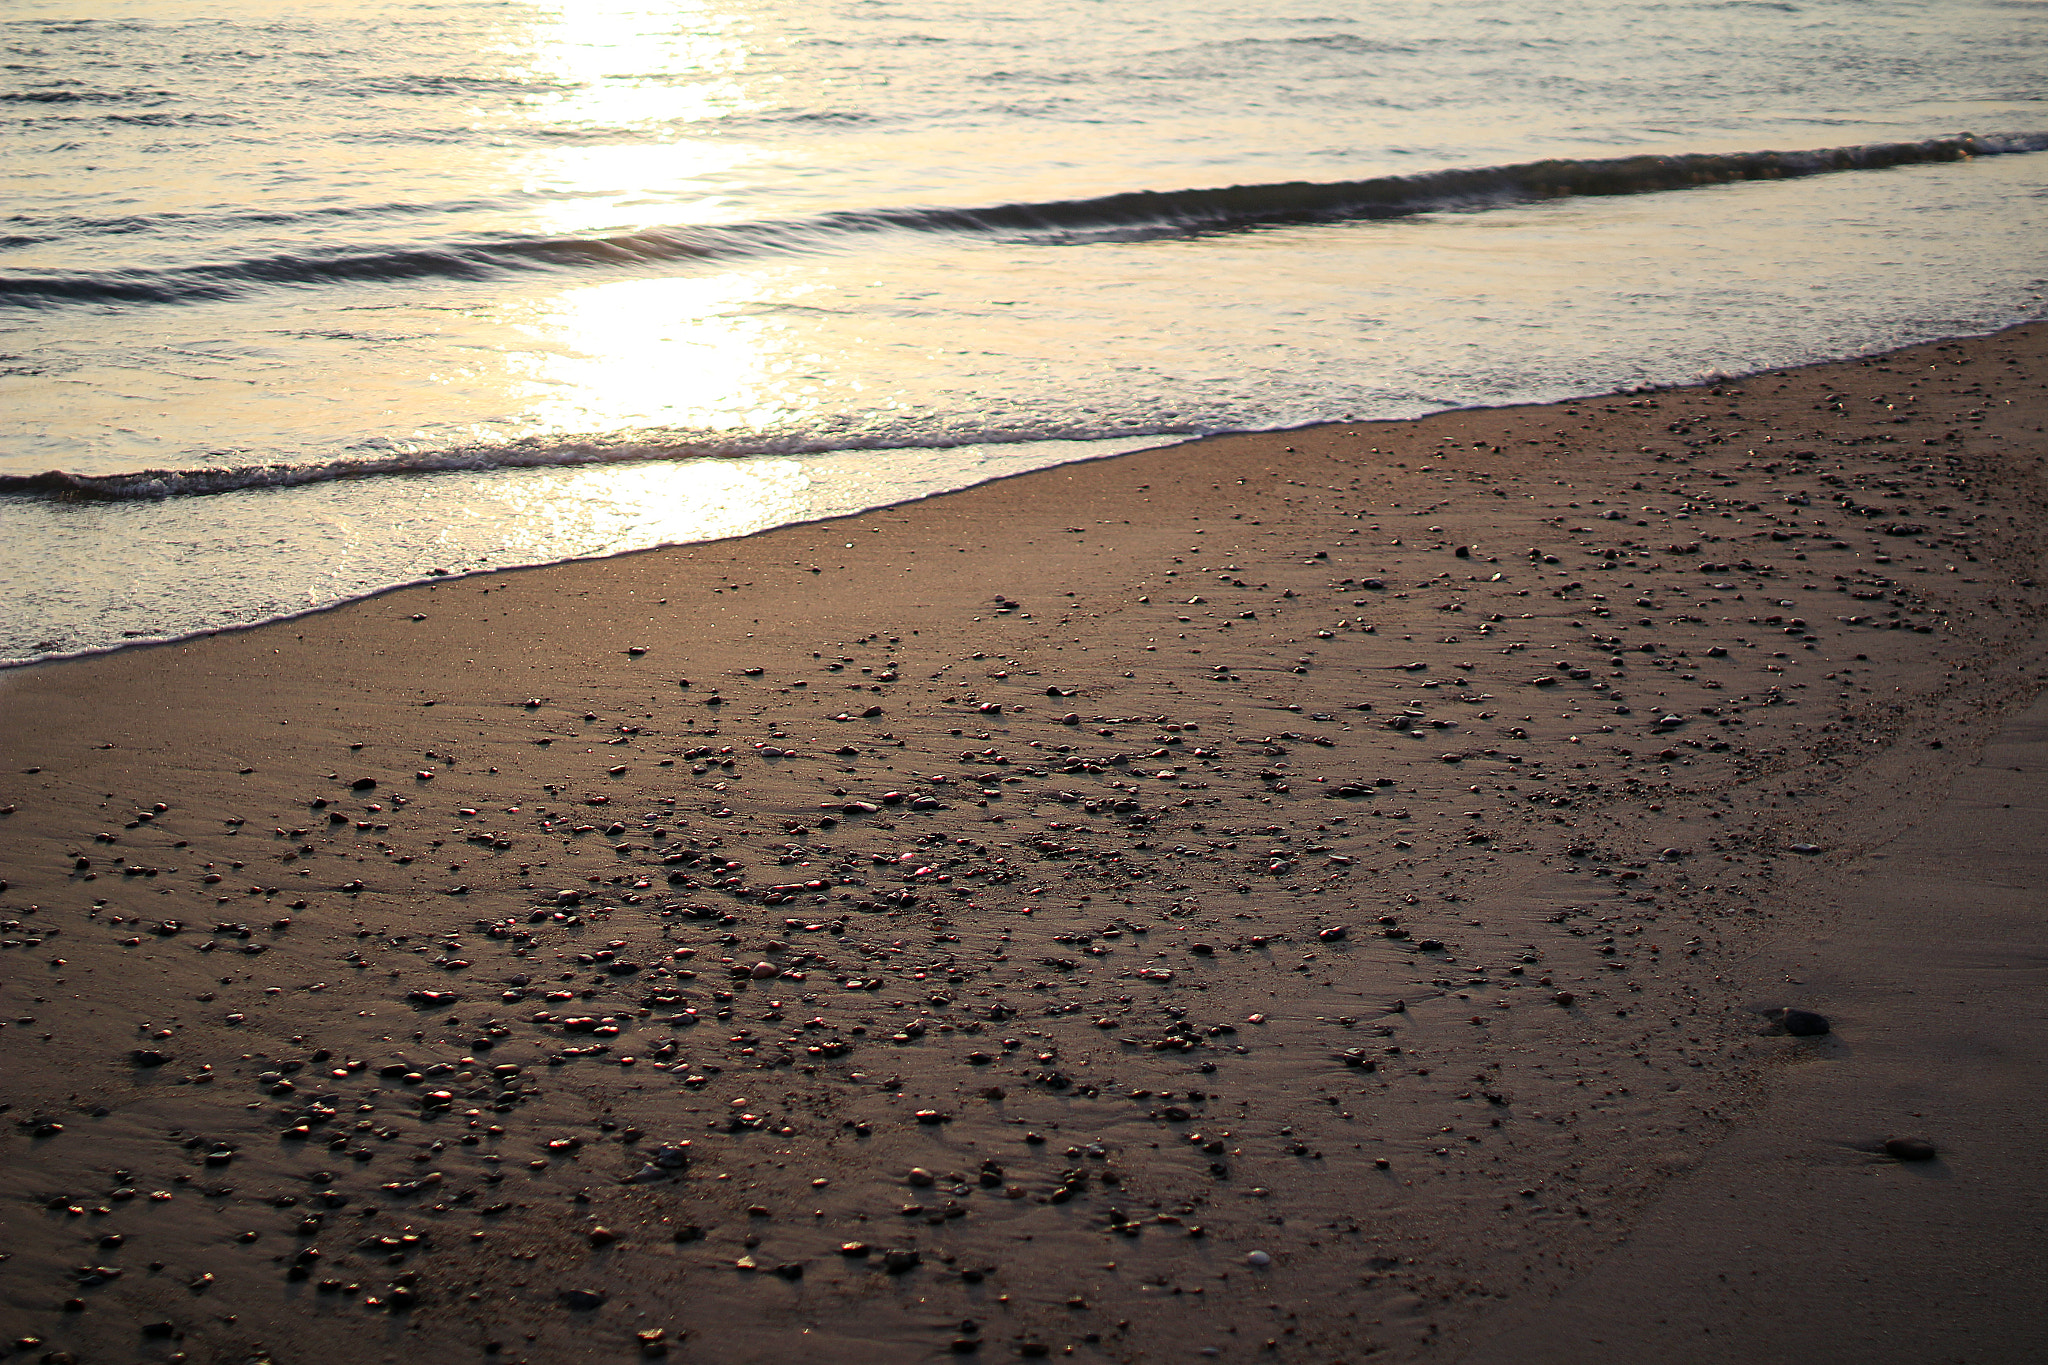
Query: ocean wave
{"points": [[79, 95], [60, 226], [1143, 213], [157, 485], [436, 83]]}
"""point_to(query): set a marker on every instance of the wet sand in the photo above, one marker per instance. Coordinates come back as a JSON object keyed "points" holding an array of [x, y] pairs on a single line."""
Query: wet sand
{"points": [[1303, 897]]}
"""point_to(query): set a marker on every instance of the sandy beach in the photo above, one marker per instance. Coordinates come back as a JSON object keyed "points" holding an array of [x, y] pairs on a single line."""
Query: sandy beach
{"points": [[1316, 896]]}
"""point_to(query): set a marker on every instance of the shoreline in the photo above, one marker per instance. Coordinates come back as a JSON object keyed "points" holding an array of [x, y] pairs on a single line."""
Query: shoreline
{"points": [[96, 651], [1313, 689]]}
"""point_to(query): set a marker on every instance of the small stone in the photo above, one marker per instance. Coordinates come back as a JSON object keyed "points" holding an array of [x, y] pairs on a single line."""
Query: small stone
{"points": [[1257, 1259], [582, 1299], [1802, 1023], [1909, 1149]]}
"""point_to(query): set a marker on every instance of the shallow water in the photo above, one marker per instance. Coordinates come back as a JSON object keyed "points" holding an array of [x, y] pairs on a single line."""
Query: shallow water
{"points": [[307, 305]]}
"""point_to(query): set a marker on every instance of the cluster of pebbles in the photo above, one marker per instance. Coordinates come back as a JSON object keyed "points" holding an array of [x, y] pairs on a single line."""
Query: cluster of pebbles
{"points": [[1304, 907]]}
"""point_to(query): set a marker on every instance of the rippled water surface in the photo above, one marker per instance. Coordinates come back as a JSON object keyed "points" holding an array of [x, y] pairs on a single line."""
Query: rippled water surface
{"points": [[302, 300]]}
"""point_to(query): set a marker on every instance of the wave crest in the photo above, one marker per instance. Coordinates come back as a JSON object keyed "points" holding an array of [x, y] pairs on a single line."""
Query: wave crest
{"points": [[1143, 213]]}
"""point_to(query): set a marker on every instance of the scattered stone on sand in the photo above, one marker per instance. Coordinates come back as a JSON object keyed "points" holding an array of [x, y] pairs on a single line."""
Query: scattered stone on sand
{"points": [[1044, 1005], [1800, 1023]]}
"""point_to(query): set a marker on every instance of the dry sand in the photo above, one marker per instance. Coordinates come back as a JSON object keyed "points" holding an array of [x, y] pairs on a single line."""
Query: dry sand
{"points": [[1306, 897]]}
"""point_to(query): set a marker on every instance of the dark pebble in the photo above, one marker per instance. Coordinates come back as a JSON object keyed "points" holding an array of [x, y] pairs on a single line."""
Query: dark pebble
{"points": [[1909, 1149], [1803, 1023]]}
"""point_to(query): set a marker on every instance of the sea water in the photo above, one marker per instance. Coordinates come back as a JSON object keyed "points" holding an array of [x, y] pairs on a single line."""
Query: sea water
{"points": [[299, 301]]}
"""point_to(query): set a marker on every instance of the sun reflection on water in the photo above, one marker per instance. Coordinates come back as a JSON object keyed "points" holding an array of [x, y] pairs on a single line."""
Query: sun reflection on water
{"points": [[704, 354], [604, 510], [697, 353], [634, 64], [617, 72]]}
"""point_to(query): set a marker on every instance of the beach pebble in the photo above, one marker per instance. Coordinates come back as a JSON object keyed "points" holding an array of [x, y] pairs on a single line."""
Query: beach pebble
{"points": [[582, 1299], [1801, 1023], [1909, 1149], [1257, 1259]]}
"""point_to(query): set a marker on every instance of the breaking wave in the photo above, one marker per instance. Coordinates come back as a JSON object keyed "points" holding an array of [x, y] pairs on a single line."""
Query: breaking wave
{"points": [[1145, 213]]}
